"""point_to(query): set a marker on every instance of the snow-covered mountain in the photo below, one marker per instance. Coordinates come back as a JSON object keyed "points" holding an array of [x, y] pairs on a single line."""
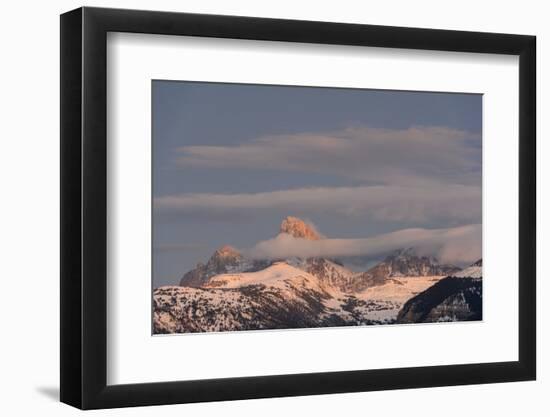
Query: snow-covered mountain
{"points": [[231, 292], [278, 274], [454, 298], [403, 263], [224, 260], [330, 273], [473, 271], [406, 263], [227, 259], [278, 297]]}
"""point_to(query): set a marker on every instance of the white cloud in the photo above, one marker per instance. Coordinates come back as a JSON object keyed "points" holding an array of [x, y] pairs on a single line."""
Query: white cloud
{"points": [[458, 245], [385, 156], [413, 203]]}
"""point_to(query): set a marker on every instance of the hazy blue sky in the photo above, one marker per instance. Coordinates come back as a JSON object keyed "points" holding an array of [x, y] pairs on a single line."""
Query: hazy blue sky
{"points": [[230, 161]]}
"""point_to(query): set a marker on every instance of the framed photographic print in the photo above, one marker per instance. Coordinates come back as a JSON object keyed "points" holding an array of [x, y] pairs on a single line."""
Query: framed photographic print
{"points": [[257, 207]]}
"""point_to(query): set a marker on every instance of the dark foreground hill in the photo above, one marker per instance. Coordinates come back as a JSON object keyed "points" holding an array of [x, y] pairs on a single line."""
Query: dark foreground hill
{"points": [[454, 298]]}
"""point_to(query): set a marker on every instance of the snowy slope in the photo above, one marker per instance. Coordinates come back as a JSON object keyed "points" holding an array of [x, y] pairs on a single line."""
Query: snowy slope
{"points": [[473, 271], [279, 296], [277, 274], [399, 290]]}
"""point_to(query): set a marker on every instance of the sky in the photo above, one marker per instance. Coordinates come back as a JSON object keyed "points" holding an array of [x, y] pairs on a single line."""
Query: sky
{"points": [[372, 170]]}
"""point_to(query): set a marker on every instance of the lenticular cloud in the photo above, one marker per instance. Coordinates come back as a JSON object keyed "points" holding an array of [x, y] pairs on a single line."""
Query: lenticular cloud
{"points": [[459, 245]]}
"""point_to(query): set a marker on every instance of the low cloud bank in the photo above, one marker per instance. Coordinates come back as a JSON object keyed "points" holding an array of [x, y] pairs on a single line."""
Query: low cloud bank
{"points": [[458, 245], [418, 204]]}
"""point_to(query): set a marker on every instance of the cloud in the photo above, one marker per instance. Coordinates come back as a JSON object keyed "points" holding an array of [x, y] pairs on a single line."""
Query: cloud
{"points": [[382, 156], [414, 203], [458, 245]]}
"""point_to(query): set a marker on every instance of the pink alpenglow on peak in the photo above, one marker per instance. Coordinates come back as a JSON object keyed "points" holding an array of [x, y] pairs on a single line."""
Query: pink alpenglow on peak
{"points": [[298, 228], [227, 251]]}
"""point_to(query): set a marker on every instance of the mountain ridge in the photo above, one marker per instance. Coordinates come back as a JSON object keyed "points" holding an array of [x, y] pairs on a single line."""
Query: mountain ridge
{"points": [[401, 263], [231, 292]]}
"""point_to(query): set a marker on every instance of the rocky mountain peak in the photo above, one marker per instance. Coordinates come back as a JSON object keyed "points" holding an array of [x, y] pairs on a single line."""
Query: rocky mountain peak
{"points": [[224, 259], [407, 254], [298, 228], [406, 262], [226, 251]]}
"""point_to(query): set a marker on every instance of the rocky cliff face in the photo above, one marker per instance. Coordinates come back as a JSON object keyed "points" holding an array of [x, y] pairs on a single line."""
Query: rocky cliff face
{"points": [[225, 259], [329, 272], [402, 263], [406, 263], [298, 228]]}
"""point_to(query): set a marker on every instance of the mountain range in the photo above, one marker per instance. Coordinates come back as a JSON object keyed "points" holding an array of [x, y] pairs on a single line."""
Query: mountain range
{"points": [[232, 292]]}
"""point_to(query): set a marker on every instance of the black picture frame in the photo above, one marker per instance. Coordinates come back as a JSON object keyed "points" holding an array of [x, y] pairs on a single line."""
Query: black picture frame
{"points": [[84, 207]]}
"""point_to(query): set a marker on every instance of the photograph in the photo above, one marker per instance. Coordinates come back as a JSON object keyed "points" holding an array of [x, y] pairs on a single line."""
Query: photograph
{"points": [[291, 207], [270, 209]]}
